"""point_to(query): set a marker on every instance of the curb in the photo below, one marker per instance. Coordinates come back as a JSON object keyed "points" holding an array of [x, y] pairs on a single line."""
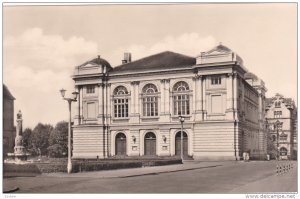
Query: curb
{"points": [[14, 189]]}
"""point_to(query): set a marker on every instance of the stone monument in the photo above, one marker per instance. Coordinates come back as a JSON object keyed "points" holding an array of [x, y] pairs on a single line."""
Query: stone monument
{"points": [[19, 154]]}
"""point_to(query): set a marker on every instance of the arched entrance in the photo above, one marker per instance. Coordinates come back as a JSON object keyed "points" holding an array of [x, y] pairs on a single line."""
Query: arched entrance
{"points": [[178, 143], [150, 144], [120, 144]]}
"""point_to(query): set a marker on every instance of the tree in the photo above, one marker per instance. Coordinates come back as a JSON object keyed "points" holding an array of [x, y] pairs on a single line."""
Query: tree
{"points": [[27, 138], [58, 140], [40, 138]]}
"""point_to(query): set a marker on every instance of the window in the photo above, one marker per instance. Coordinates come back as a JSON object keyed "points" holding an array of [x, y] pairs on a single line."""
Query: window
{"points": [[283, 151], [277, 104], [273, 138], [91, 110], [181, 98], [283, 136], [216, 104], [277, 114], [215, 80], [150, 100], [120, 102], [90, 89]]}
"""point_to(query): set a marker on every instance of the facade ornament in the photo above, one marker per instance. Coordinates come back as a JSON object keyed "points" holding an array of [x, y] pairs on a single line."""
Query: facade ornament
{"points": [[135, 82]]}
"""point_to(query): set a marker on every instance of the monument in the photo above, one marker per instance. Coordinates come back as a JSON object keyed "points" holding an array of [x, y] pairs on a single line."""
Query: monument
{"points": [[19, 154]]}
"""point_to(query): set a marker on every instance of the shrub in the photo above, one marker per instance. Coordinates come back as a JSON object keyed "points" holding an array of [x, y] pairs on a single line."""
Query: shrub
{"points": [[10, 169]]}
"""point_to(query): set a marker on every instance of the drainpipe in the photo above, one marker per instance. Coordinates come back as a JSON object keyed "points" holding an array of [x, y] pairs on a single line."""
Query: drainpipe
{"points": [[235, 137]]}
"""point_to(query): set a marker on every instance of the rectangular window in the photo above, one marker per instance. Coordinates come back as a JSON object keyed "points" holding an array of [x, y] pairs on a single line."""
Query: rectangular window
{"points": [[277, 114], [216, 104], [121, 108], [215, 80], [90, 89], [91, 110], [181, 105]]}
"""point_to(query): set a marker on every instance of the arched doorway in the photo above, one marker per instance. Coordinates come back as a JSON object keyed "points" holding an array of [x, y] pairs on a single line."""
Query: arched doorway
{"points": [[120, 144], [150, 144], [178, 143]]}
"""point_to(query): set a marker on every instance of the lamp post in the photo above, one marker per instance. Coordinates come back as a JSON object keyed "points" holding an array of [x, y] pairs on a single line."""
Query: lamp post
{"points": [[181, 119], [69, 100]]}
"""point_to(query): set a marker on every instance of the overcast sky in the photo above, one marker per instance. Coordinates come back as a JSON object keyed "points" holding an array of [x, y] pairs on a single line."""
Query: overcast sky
{"points": [[43, 44]]}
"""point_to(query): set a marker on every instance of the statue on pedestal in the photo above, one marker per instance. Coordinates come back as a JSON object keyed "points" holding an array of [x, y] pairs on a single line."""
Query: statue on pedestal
{"points": [[19, 150]]}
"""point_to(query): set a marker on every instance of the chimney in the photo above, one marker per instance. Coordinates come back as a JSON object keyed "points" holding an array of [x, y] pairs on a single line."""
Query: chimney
{"points": [[127, 58]]}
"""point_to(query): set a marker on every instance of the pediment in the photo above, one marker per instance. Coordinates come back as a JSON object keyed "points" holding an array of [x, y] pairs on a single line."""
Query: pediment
{"points": [[219, 50], [89, 65]]}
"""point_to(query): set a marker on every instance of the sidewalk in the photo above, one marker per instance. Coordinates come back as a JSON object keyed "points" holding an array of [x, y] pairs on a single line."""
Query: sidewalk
{"points": [[12, 184], [285, 182]]}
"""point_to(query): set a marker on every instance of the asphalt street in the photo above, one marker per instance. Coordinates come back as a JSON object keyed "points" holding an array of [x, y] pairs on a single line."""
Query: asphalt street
{"points": [[191, 177]]}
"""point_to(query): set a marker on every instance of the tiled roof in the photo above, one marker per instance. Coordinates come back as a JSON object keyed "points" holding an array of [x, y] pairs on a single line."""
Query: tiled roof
{"points": [[164, 60], [7, 94]]}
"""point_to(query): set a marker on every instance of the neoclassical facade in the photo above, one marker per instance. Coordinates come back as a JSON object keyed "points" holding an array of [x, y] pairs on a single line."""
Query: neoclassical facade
{"points": [[133, 109], [281, 116]]}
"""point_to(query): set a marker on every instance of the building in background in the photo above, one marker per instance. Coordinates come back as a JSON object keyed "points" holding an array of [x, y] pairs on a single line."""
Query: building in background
{"points": [[281, 115], [133, 109], [8, 122]]}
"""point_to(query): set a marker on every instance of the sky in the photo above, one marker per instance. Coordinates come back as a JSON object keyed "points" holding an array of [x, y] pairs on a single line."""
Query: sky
{"points": [[43, 44]]}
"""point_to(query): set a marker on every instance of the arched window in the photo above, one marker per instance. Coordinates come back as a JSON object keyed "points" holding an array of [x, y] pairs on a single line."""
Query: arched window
{"points": [[283, 151], [120, 102], [181, 98], [150, 100], [277, 104]]}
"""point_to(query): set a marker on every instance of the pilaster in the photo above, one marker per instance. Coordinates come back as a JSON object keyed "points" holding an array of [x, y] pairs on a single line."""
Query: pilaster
{"points": [[164, 104], [198, 97], [229, 97], [77, 107], [135, 116]]}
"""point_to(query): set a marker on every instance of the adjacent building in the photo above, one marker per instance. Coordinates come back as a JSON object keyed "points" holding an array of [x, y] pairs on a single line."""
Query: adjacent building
{"points": [[281, 115], [133, 109], [8, 121]]}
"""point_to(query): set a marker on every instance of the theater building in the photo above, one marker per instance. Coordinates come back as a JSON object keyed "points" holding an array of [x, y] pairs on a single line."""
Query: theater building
{"points": [[281, 114], [133, 109]]}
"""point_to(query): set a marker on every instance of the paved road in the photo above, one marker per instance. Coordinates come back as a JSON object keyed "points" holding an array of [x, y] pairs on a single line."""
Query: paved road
{"points": [[192, 177]]}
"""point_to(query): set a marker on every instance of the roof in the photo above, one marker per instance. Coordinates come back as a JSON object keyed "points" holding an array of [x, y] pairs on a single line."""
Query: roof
{"points": [[97, 61], [164, 60], [250, 75], [289, 102], [7, 94]]}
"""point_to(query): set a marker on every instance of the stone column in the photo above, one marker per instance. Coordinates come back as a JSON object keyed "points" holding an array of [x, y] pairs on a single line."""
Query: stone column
{"points": [[229, 97], [198, 97], [100, 103], [77, 107], [81, 104], [136, 105], [163, 100], [131, 99], [109, 113], [167, 97], [204, 98], [235, 94], [134, 118], [105, 102]]}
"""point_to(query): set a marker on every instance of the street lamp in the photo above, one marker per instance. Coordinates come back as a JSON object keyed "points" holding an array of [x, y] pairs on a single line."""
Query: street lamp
{"points": [[181, 119], [69, 100]]}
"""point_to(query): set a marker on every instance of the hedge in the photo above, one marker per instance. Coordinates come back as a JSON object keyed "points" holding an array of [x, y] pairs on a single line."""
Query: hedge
{"points": [[85, 165]]}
